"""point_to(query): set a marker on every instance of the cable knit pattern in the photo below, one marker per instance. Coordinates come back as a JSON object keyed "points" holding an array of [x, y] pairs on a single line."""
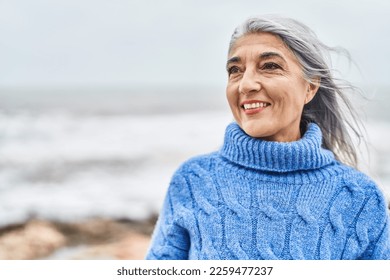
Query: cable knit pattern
{"points": [[257, 199]]}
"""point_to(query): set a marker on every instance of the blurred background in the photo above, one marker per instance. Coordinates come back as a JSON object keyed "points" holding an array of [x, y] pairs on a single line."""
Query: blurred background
{"points": [[101, 100]]}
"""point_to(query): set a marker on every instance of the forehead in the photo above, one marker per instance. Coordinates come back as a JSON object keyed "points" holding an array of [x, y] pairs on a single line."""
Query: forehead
{"points": [[261, 42]]}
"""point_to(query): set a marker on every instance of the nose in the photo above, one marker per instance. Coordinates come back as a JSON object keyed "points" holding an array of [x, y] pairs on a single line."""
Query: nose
{"points": [[249, 83]]}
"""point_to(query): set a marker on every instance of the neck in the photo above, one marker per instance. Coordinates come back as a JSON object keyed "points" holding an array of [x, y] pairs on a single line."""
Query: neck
{"points": [[304, 154], [284, 138]]}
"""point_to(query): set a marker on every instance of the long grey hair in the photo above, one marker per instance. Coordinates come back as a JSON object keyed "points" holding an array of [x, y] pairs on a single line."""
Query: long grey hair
{"points": [[329, 109]]}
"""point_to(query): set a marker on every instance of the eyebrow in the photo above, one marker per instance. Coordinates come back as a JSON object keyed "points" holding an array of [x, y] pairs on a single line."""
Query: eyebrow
{"points": [[233, 59], [264, 55], [271, 54]]}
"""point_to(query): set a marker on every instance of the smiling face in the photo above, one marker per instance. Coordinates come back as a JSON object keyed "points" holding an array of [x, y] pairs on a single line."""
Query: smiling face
{"points": [[266, 89]]}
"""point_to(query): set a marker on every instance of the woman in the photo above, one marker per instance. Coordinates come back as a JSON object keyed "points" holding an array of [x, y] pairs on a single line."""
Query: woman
{"points": [[281, 187]]}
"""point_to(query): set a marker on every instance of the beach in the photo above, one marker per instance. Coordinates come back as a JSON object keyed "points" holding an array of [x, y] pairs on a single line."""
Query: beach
{"points": [[90, 239], [86, 180]]}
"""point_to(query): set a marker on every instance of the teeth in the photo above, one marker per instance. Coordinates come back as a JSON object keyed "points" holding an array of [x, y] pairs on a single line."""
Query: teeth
{"points": [[255, 105]]}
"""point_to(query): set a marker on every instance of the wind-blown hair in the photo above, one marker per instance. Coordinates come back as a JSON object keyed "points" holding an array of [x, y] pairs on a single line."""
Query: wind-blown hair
{"points": [[329, 109]]}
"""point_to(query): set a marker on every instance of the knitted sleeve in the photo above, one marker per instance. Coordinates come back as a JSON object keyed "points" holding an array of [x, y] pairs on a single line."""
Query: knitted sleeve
{"points": [[170, 240], [374, 225]]}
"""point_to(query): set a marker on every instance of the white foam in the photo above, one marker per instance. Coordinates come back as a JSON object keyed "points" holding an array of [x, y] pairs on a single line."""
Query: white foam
{"points": [[376, 161], [68, 167], [63, 167]]}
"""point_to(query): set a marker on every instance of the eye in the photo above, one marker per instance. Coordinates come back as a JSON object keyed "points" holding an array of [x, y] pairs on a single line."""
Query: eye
{"points": [[233, 70], [271, 66]]}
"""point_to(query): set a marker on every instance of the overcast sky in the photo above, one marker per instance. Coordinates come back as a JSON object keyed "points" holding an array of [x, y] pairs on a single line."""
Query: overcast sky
{"points": [[139, 42]]}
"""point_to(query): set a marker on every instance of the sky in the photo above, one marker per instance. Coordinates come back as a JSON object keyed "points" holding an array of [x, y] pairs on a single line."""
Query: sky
{"points": [[127, 43]]}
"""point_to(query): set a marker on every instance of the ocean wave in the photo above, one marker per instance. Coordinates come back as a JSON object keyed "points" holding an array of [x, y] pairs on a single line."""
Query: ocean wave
{"points": [[67, 167]]}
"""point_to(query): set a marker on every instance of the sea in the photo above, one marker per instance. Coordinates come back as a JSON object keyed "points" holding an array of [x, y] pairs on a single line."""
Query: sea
{"points": [[72, 154]]}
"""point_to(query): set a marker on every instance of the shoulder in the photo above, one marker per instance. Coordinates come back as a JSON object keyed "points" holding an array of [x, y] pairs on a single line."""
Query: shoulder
{"points": [[361, 181], [197, 164], [374, 202], [192, 172]]}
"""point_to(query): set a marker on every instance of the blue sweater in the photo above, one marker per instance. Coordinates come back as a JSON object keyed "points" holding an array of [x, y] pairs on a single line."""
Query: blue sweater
{"points": [[256, 199]]}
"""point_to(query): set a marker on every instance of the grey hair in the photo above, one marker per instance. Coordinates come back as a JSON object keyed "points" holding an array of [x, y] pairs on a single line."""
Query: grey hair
{"points": [[330, 108]]}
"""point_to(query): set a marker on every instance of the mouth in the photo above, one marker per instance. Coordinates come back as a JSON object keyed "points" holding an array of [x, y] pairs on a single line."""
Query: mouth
{"points": [[254, 106]]}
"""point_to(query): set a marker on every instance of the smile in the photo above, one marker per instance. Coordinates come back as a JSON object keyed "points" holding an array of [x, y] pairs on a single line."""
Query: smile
{"points": [[254, 105]]}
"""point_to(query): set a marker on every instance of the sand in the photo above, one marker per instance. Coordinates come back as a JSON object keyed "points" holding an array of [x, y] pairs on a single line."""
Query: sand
{"points": [[88, 239]]}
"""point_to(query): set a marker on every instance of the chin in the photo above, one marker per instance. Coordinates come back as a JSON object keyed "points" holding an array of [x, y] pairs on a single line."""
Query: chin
{"points": [[253, 129]]}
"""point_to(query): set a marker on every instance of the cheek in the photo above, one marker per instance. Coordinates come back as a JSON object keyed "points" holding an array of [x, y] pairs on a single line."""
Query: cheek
{"points": [[290, 105], [231, 96], [289, 100]]}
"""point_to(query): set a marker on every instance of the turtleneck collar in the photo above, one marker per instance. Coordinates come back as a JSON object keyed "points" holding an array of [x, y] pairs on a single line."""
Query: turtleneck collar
{"points": [[304, 154]]}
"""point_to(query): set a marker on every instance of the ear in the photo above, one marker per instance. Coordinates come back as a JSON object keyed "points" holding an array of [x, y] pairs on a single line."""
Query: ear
{"points": [[312, 88]]}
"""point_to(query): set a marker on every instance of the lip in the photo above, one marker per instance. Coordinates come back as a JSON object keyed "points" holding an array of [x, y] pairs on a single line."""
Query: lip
{"points": [[255, 110]]}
